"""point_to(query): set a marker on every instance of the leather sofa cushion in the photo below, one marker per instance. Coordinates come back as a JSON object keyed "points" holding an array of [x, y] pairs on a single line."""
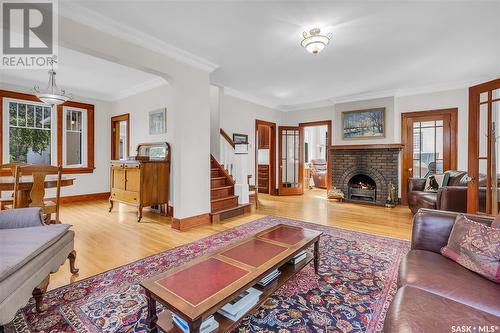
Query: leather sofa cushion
{"points": [[19, 246], [415, 310], [439, 275]]}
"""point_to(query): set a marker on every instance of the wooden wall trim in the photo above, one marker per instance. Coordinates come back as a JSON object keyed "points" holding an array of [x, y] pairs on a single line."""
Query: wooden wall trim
{"points": [[84, 197], [191, 222]]}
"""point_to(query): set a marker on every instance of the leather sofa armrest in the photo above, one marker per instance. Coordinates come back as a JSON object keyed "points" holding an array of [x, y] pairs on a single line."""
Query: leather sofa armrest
{"points": [[452, 198], [416, 184], [21, 218], [432, 228]]}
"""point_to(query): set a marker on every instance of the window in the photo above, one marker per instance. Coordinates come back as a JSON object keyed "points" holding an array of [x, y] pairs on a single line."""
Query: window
{"points": [[75, 147], [30, 129], [33, 132]]}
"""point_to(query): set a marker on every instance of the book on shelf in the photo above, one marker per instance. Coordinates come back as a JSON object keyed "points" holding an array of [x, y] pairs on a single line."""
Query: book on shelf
{"points": [[236, 308], [298, 257], [207, 326], [266, 280]]}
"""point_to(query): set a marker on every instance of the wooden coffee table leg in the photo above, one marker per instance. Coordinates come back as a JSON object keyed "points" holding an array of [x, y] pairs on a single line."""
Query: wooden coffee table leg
{"points": [[316, 256], [195, 326], [152, 316]]}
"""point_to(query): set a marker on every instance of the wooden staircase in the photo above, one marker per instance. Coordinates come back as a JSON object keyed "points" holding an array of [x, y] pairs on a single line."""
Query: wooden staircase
{"points": [[224, 204]]}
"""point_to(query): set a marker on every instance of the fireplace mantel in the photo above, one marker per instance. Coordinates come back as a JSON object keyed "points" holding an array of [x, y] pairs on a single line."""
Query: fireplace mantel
{"points": [[365, 147]]}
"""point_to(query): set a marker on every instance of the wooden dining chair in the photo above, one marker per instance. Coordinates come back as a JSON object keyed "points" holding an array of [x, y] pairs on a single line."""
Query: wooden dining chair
{"points": [[39, 173], [9, 168]]}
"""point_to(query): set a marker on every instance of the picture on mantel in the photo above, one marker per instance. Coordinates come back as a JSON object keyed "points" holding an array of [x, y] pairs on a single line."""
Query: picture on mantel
{"points": [[364, 124]]}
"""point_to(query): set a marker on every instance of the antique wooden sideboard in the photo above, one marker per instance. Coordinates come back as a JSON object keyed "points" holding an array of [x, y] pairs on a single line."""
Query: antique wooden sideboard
{"points": [[142, 180]]}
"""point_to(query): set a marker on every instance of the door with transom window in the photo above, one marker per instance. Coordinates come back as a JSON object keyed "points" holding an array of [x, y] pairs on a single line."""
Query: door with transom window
{"points": [[429, 144]]}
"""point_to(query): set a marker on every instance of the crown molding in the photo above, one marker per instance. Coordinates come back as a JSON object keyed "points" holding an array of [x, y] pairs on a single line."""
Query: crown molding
{"points": [[137, 89], [249, 98], [103, 23]]}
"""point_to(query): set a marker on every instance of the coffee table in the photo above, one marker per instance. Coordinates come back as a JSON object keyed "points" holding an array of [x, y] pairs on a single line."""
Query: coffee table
{"points": [[199, 288]]}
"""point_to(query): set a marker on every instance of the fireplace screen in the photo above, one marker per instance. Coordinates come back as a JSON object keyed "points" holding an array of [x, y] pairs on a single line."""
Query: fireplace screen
{"points": [[362, 187]]}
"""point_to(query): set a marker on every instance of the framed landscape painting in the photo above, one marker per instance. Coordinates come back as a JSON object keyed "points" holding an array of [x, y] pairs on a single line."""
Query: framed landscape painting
{"points": [[364, 124]]}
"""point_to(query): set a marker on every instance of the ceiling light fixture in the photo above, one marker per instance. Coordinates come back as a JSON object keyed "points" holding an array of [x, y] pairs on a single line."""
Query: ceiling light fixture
{"points": [[314, 42], [52, 95]]}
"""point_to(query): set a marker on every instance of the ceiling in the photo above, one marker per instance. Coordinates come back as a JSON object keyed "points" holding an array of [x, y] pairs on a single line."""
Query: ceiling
{"points": [[84, 75], [376, 47]]}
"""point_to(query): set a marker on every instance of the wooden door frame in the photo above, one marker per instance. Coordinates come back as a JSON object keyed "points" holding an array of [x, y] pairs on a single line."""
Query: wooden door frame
{"points": [[328, 123], [272, 154], [114, 119], [453, 114], [473, 147], [301, 165]]}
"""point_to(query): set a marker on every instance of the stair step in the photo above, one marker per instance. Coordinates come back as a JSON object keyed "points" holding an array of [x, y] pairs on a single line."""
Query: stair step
{"points": [[218, 182], [215, 172], [224, 203], [230, 212], [221, 192]]}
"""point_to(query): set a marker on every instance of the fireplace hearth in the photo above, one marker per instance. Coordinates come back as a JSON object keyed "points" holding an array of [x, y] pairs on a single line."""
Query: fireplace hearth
{"points": [[362, 187], [363, 172]]}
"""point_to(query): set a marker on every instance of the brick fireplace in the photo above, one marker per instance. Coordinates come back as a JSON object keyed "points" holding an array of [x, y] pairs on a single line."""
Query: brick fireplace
{"points": [[363, 172]]}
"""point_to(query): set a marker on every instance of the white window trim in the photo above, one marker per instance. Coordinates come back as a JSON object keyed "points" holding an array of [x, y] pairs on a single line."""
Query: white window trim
{"points": [[6, 126], [84, 138]]}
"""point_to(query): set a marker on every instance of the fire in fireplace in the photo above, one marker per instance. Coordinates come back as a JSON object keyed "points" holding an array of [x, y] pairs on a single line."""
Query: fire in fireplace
{"points": [[362, 187]]}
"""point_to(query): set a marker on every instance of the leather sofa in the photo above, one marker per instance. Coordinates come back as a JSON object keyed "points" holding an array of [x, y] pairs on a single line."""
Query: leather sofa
{"points": [[29, 252], [318, 172], [452, 197], [435, 294]]}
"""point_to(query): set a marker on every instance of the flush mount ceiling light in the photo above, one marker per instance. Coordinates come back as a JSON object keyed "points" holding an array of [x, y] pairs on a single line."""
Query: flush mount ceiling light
{"points": [[52, 95], [314, 42]]}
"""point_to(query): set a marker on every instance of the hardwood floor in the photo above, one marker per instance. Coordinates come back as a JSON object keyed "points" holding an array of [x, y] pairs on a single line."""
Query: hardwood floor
{"points": [[107, 240]]}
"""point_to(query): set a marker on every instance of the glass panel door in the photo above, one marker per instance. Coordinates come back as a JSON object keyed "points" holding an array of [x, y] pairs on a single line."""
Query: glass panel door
{"points": [[429, 139], [484, 133], [290, 171]]}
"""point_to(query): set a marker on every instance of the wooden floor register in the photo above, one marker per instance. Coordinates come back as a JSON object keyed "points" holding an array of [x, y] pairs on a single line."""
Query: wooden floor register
{"points": [[198, 289]]}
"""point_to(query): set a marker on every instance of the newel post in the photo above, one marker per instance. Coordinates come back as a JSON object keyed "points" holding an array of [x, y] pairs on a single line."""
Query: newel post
{"points": [[240, 172]]}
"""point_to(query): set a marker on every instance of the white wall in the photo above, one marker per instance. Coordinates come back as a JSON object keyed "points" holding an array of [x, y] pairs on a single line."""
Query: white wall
{"points": [[189, 114], [139, 106], [215, 96], [457, 98], [238, 116], [98, 181]]}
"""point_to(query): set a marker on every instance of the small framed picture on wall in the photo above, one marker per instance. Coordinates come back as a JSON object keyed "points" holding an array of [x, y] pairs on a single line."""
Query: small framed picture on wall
{"points": [[240, 138], [158, 121]]}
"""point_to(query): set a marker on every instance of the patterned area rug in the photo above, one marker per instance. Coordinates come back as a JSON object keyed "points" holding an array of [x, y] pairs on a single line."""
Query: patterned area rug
{"points": [[356, 283]]}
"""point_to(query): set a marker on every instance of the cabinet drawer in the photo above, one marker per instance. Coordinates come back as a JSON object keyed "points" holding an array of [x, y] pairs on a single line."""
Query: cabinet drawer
{"points": [[125, 196]]}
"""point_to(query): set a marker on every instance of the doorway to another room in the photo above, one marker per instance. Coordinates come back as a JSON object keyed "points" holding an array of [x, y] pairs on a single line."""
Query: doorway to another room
{"points": [[429, 141], [120, 137], [265, 152], [316, 164]]}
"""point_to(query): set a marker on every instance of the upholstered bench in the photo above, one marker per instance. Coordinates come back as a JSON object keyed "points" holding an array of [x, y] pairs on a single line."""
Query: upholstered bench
{"points": [[29, 252]]}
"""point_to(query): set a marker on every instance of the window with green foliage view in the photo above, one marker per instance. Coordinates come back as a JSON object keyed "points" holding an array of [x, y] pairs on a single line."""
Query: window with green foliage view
{"points": [[30, 132]]}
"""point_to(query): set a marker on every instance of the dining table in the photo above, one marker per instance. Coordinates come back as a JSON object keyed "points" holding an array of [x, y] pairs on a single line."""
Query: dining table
{"points": [[26, 183]]}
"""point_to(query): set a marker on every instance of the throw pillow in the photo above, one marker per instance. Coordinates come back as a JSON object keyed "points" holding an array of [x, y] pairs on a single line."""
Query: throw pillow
{"points": [[435, 182], [475, 246]]}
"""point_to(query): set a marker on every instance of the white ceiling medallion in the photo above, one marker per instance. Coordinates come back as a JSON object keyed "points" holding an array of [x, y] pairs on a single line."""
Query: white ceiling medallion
{"points": [[52, 95], [314, 42]]}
